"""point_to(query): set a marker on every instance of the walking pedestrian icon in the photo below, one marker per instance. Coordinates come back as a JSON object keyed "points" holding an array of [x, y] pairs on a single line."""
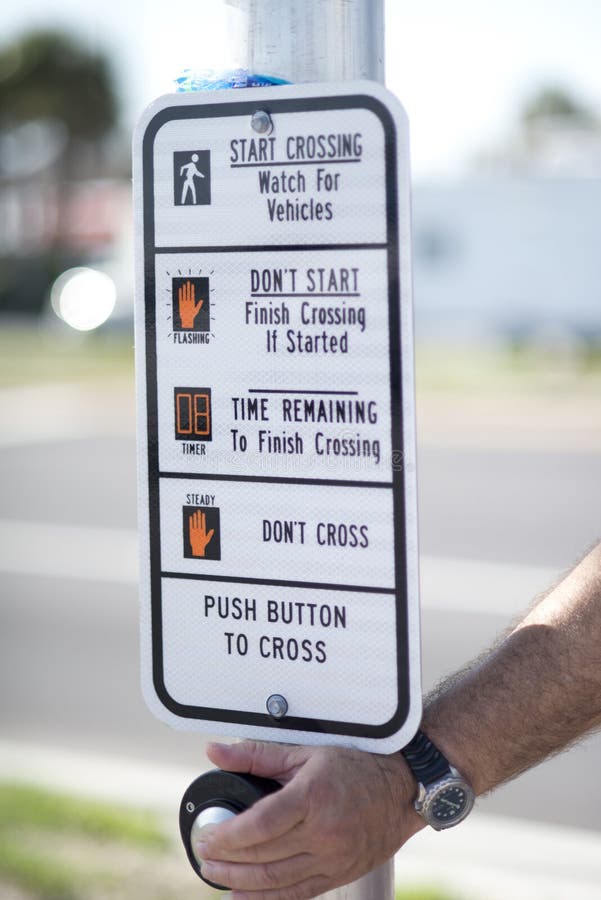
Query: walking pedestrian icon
{"points": [[192, 177]]}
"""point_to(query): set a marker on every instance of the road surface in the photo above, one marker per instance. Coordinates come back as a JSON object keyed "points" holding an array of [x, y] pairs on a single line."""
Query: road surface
{"points": [[496, 527]]}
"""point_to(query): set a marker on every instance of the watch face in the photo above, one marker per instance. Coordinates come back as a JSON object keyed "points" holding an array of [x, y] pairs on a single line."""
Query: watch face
{"points": [[449, 805]]}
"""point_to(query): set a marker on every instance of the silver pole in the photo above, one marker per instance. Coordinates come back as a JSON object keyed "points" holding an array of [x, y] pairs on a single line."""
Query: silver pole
{"points": [[376, 885], [315, 40], [308, 40]]}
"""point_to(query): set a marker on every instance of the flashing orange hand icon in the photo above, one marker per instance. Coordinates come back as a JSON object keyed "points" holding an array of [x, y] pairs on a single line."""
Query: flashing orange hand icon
{"points": [[188, 308], [199, 539]]}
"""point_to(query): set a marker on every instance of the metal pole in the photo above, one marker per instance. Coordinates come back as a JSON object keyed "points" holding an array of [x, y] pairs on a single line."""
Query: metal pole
{"points": [[308, 40], [315, 40], [376, 885]]}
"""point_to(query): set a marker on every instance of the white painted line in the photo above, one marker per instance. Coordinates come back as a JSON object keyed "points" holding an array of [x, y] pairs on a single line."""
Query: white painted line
{"points": [[69, 551], [473, 586], [110, 555], [42, 413], [97, 776], [485, 858]]}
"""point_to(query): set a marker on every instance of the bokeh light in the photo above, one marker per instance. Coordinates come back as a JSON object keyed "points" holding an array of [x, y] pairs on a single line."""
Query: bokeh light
{"points": [[83, 298]]}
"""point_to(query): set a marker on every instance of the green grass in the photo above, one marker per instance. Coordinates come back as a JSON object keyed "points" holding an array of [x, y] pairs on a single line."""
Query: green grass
{"points": [[56, 353], [511, 368], [36, 873], [422, 893], [56, 847], [30, 807], [36, 355]]}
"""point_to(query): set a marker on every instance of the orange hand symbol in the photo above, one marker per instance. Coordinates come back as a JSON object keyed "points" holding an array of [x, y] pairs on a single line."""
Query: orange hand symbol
{"points": [[188, 308], [197, 524]]}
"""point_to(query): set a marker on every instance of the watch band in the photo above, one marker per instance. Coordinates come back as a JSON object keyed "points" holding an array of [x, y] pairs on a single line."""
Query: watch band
{"points": [[425, 760]]}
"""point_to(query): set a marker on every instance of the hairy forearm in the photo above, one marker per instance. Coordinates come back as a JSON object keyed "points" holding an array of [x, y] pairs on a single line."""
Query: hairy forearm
{"points": [[341, 812], [535, 693]]}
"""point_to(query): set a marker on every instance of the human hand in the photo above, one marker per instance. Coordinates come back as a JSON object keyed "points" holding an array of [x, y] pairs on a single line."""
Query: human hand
{"points": [[339, 814], [197, 528], [188, 308]]}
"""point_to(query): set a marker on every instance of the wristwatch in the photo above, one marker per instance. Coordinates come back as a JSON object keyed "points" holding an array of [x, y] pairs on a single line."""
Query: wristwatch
{"points": [[444, 797]]}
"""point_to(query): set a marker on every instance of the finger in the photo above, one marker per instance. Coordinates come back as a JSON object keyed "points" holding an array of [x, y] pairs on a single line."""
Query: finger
{"points": [[188, 286], [198, 306], [269, 760], [266, 876], [280, 848], [268, 820], [203, 522], [210, 535]]}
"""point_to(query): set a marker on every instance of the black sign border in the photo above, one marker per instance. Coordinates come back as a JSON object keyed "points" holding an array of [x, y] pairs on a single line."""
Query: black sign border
{"points": [[274, 106]]}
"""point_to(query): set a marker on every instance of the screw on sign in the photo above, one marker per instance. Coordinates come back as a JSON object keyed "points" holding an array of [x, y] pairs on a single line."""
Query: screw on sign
{"points": [[261, 122], [277, 706]]}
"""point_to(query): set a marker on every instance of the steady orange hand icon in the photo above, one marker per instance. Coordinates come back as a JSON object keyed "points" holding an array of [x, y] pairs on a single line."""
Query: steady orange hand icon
{"points": [[188, 308], [199, 539]]}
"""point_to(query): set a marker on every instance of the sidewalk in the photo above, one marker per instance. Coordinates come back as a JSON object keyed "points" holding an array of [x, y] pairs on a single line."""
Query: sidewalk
{"points": [[498, 858], [486, 858]]}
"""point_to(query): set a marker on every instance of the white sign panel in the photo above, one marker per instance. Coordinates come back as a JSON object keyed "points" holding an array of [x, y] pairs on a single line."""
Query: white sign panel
{"points": [[276, 419]]}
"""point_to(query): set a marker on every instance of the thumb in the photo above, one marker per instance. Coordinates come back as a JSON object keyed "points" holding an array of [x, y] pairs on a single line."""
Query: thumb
{"points": [[264, 759], [198, 306]]}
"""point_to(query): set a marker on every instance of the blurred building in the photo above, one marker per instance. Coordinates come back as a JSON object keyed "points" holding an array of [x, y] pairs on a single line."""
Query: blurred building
{"points": [[36, 218], [49, 225], [513, 252], [509, 257]]}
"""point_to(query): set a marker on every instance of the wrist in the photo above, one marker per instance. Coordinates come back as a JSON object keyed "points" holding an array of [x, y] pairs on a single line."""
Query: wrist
{"points": [[444, 795], [403, 790], [454, 742], [410, 788]]}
